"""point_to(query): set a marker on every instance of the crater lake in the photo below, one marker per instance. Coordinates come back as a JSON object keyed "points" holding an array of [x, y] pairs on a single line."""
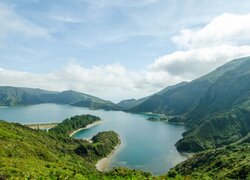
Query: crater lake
{"points": [[146, 145]]}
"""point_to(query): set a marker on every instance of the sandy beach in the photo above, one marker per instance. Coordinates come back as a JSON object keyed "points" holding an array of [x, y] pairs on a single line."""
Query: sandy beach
{"points": [[103, 164], [87, 127], [41, 126]]}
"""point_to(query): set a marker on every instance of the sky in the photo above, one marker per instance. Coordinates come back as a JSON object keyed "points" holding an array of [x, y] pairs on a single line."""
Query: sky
{"points": [[118, 49]]}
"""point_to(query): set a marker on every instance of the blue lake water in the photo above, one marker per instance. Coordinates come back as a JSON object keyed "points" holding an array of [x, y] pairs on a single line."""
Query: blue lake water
{"points": [[146, 145]]}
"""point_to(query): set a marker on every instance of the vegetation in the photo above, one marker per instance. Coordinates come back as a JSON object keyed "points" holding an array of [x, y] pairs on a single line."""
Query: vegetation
{"points": [[29, 153], [222, 115], [177, 120], [217, 131], [74, 123], [230, 162]]}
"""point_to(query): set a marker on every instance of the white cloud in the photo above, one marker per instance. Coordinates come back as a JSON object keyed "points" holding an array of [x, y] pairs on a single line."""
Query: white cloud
{"points": [[197, 62], [226, 29], [225, 38], [112, 82], [11, 22]]}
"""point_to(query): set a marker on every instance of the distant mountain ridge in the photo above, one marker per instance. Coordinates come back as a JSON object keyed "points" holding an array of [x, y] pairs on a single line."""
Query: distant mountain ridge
{"points": [[18, 96]]}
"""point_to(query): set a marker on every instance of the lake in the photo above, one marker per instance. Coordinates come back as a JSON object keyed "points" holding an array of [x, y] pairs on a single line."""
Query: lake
{"points": [[146, 145]]}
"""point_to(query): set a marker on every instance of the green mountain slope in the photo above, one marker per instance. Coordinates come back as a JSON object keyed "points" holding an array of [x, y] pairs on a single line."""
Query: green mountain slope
{"points": [[183, 97], [230, 90], [172, 100], [217, 131], [222, 115], [230, 162], [129, 103], [150, 102], [14, 96]]}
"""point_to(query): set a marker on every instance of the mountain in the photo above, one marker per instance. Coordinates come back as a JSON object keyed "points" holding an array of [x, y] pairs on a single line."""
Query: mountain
{"points": [[230, 162], [16, 96], [129, 103], [12, 96], [222, 114], [174, 100], [228, 91], [217, 131], [183, 97]]}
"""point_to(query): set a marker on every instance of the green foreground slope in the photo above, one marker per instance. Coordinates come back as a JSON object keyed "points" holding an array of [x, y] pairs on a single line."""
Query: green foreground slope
{"points": [[32, 154], [230, 162]]}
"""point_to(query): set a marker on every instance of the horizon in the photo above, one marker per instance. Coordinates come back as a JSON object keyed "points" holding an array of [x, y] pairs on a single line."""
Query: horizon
{"points": [[118, 50]]}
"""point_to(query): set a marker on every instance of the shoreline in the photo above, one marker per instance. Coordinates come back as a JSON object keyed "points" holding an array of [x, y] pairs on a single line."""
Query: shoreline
{"points": [[103, 165], [87, 127]]}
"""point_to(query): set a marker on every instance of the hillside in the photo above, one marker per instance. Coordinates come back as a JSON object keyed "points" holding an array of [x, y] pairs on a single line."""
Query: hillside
{"points": [[172, 100], [217, 131], [229, 91], [183, 97], [230, 162], [222, 114], [15, 96], [34, 154], [129, 103]]}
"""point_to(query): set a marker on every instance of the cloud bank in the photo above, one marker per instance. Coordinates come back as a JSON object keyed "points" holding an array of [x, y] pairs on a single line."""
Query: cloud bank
{"points": [[225, 38]]}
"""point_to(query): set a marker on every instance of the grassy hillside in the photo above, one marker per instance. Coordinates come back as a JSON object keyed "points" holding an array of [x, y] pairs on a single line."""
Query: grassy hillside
{"points": [[229, 91], [222, 115], [29, 153], [230, 162], [33, 154], [173, 100], [217, 131]]}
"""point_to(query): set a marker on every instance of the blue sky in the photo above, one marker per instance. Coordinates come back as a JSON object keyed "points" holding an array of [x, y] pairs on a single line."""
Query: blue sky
{"points": [[117, 49]]}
